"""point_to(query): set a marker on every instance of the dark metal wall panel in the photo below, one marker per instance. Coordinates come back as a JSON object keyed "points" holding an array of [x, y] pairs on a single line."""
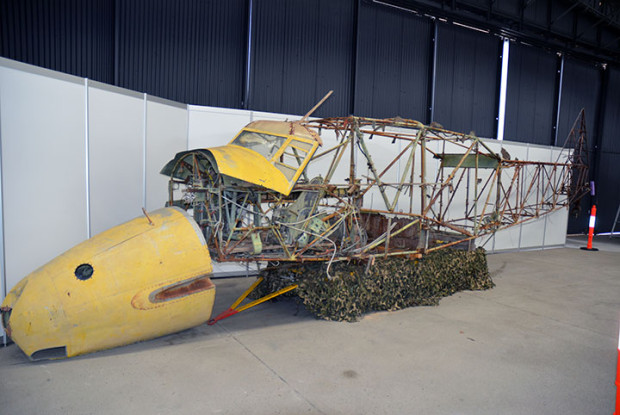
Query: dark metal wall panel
{"points": [[610, 39], [530, 95], [190, 51], [568, 26], [468, 70], [393, 61], [580, 89], [611, 118], [300, 51], [536, 12], [509, 7], [561, 20], [71, 36], [608, 192], [477, 3], [587, 27], [608, 178]]}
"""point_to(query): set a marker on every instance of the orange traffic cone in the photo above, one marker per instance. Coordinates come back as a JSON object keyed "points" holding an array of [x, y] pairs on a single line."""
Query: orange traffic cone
{"points": [[591, 231]]}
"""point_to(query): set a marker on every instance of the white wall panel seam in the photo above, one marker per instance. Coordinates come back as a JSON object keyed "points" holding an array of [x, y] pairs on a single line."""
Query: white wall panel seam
{"points": [[545, 230], [527, 155], [520, 237], [87, 157], [144, 138], [187, 111]]}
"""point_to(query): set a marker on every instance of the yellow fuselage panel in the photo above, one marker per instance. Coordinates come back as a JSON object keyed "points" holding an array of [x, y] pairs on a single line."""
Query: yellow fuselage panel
{"points": [[137, 281], [247, 165]]}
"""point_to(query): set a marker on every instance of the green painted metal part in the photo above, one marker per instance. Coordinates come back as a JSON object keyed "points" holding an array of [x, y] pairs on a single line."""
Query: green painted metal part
{"points": [[257, 244], [484, 161]]}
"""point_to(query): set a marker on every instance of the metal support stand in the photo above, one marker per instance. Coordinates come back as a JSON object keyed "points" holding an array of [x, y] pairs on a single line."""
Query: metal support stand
{"points": [[233, 308]]}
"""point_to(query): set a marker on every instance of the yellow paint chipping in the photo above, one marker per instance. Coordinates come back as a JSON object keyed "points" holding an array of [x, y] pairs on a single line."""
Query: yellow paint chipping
{"points": [[52, 308]]}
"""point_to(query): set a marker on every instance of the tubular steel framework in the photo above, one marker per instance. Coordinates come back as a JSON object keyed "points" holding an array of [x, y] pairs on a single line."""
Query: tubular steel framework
{"points": [[439, 189]]}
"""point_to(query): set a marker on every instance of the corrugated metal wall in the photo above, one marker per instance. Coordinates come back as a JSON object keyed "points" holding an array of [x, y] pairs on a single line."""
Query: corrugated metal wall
{"points": [[608, 185], [530, 95], [190, 51], [611, 124], [282, 56], [393, 59], [608, 188], [71, 36], [580, 89], [301, 50], [467, 85]]}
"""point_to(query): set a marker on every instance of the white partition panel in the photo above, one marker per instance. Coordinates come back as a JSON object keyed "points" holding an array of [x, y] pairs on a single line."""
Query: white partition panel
{"points": [[166, 135], [533, 231], [320, 166], [487, 242], [43, 166], [508, 239], [116, 134], [382, 152], [555, 228], [212, 127], [539, 153]]}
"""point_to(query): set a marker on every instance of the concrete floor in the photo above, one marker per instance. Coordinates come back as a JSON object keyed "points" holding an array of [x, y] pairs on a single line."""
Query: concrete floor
{"points": [[543, 341]]}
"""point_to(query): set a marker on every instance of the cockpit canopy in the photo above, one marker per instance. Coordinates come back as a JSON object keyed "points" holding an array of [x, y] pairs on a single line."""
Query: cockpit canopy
{"points": [[272, 154]]}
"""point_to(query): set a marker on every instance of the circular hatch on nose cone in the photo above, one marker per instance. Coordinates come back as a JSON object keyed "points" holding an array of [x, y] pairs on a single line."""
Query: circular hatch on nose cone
{"points": [[84, 272]]}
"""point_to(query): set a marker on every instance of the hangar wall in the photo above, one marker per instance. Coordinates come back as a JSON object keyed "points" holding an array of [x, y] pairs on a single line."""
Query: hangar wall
{"points": [[394, 54], [531, 95], [282, 56], [188, 51], [78, 157], [73, 155]]}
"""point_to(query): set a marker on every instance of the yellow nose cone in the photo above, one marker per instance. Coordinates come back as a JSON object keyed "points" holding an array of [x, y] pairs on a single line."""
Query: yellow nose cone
{"points": [[137, 281]]}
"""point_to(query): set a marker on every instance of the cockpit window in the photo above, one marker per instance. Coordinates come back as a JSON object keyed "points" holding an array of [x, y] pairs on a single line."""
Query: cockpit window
{"points": [[293, 156], [288, 153], [266, 145]]}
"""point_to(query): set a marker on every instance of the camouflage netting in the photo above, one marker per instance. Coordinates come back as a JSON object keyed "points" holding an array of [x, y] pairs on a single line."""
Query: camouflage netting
{"points": [[389, 284]]}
